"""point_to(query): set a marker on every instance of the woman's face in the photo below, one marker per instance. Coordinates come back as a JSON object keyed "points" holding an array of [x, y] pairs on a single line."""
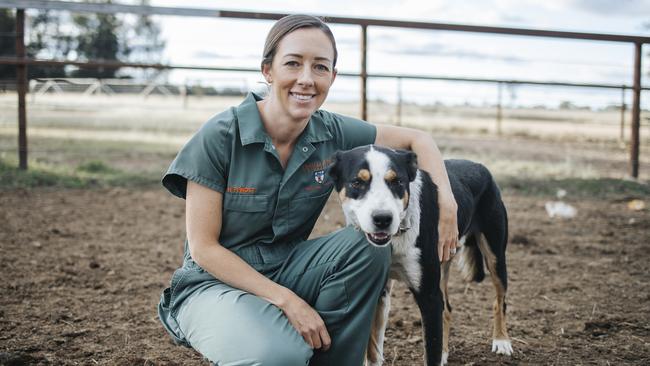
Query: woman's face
{"points": [[301, 73]]}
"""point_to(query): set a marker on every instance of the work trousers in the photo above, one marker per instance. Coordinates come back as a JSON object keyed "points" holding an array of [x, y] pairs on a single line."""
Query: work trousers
{"points": [[340, 275]]}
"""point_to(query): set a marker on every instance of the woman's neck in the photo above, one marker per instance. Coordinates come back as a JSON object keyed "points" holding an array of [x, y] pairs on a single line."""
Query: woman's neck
{"points": [[281, 128]]}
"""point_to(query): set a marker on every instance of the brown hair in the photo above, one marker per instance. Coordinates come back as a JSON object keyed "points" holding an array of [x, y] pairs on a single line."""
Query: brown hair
{"points": [[289, 24]]}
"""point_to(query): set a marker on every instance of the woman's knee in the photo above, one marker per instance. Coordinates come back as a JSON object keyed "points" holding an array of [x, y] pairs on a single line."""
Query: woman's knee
{"points": [[374, 258]]}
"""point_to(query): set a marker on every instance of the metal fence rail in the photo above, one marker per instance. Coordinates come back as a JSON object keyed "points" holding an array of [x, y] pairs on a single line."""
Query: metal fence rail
{"points": [[21, 62]]}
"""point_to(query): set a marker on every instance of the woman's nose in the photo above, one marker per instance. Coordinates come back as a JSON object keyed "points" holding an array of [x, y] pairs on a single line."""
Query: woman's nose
{"points": [[306, 78]]}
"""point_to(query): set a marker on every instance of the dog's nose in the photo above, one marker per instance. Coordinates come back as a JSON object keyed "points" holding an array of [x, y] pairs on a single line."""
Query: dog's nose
{"points": [[382, 219]]}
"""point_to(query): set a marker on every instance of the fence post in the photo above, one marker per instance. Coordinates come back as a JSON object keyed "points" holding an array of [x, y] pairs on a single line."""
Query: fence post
{"points": [[621, 137], [364, 74], [399, 101], [636, 113], [21, 79], [499, 114]]}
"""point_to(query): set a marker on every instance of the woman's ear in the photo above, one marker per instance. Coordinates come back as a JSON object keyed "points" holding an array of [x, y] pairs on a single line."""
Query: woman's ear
{"points": [[266, 71], [334, 72]]}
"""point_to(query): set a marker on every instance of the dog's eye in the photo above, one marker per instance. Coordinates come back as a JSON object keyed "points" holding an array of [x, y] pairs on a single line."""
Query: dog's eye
{"points": [[356, 184], [396, 182]]}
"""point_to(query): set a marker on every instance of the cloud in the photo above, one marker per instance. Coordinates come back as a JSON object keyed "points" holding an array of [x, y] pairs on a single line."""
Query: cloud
{"points": [[395, 45], [608, 7], [213, 55]]}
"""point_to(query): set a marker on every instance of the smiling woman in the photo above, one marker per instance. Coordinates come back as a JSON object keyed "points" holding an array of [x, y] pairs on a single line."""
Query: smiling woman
{"points": [[252, 289]]}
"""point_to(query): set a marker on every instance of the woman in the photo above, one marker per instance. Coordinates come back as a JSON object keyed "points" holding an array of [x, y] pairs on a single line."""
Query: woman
{"points": [[252, 290]]}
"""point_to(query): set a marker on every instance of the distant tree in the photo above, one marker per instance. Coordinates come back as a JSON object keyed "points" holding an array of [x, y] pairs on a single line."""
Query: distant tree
{"points": [[7, 42], [60, 35], [107, 37], [41, 35], [46, 40], [98, 40], [144, 41]]}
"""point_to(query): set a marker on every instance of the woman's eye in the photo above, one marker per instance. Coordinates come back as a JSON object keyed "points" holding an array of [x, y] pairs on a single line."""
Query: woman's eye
{"points": [[291, 63], [322, 68]]}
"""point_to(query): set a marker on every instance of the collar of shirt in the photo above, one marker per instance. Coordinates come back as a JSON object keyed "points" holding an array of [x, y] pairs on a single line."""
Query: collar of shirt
{"points": [[251, 129]]}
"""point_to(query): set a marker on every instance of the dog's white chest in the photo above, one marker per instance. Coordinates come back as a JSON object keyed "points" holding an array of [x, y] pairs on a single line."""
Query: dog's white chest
{"points": [[405, 264]]}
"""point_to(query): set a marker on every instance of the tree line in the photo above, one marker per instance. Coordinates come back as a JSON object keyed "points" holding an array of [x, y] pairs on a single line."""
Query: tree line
{"points": [[62, 35]]}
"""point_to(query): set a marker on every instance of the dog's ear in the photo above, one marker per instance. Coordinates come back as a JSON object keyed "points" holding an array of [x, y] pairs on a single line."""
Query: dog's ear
{"points": [[334, 170], [411, 164]]}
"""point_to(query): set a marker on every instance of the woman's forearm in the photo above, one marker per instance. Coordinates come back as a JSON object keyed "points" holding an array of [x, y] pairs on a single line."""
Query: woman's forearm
{"points": [[430, 160], [229, 268]]}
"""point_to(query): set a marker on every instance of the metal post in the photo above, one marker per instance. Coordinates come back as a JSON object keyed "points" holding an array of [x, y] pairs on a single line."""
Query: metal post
{"points": [[399, 101], [21, 80], [621, 137], [636, 113], [499, 114], [364, 74]]}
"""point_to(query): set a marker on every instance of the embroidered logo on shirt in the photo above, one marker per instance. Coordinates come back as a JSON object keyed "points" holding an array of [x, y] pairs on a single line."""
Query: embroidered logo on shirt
{"points": [[319, 176], [316, 166], [241, 190]]}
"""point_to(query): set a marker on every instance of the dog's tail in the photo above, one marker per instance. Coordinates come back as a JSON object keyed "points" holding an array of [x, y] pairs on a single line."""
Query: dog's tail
{"points": [[470, 260]]}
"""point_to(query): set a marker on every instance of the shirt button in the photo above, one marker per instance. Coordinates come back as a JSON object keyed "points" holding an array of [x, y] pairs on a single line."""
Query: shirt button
{"points": [[305, 149], [273, 147]]}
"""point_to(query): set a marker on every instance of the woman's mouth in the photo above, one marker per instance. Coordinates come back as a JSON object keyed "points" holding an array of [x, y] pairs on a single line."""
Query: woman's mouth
{"points": [[302, 97]]}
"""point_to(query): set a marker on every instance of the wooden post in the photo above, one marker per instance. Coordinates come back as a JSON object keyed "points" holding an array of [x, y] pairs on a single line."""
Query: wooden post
{"points": [[621, 137], [399, 101], [21, 80], [364, 73], [499, 113], [636, 113]]}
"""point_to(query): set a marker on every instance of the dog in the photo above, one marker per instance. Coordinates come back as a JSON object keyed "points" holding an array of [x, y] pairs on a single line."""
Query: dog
{"points": [[385, 195]]}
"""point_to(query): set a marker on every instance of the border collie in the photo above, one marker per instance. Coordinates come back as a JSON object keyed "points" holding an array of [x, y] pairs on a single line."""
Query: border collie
{"points": [[386, 196]]}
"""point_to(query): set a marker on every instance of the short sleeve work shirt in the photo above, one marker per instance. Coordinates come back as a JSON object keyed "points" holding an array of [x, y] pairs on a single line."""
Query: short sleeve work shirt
{"points": [[263, 203]]}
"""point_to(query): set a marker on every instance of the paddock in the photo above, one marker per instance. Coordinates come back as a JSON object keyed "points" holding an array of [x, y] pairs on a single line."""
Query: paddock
{"points": [[90, 238]]}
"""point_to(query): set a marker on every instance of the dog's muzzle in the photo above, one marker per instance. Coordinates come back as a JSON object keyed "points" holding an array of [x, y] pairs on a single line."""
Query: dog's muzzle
{"points": [[379, 238]]}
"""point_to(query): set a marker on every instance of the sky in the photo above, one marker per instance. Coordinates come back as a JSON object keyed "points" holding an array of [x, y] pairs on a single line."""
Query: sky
{"points": [[239, 43]]}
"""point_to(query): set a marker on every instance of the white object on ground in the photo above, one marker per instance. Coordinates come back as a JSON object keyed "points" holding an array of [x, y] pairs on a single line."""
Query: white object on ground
{"points": [[560, 209]]}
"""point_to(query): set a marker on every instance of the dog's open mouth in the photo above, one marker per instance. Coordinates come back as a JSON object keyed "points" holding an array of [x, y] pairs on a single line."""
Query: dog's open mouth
{"points": [[379, 238]]}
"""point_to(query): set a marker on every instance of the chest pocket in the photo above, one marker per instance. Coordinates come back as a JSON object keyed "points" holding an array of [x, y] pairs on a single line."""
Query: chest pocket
{"points": [[305, 210], [246, 203]]}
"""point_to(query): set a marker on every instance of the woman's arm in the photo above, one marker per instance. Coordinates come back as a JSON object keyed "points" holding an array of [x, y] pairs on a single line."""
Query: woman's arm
{"points": [[203, 212], [429, 160]]}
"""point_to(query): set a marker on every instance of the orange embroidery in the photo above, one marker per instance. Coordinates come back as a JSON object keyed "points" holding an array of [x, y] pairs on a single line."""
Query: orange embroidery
{"points": [[241, 190]]}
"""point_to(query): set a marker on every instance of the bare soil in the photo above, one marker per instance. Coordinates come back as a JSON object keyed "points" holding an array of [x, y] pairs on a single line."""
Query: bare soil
{"points": [[82, 272]]}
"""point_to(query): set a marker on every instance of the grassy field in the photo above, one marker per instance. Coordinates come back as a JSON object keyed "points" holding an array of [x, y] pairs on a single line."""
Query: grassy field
{"points": [[131, 140]]}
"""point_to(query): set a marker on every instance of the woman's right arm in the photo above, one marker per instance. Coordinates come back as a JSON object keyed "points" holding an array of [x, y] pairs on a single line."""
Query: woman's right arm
{"points": [[203, 211]]}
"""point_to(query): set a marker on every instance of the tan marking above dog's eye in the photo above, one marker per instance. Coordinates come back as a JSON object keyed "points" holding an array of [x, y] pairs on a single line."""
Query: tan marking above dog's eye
{"points": [[364, 175], [390, 176]]}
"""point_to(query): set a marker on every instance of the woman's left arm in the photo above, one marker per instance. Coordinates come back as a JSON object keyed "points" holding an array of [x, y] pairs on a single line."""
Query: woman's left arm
{"points": [[429, 160]]}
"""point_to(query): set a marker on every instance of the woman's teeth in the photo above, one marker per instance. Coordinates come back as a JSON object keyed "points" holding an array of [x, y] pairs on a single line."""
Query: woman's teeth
{"points": [[301, 97]]}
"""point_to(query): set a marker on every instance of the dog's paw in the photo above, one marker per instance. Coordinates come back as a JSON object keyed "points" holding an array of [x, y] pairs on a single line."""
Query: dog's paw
{"points": [[443, 359], [502, 347]]}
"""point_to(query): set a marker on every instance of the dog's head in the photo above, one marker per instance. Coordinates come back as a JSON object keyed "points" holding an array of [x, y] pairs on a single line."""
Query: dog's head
{"points": [[373, 185]]}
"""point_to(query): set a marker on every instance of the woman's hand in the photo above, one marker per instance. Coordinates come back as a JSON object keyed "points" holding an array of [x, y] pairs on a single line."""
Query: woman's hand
{"points": [[306, 321], [447, 226]]}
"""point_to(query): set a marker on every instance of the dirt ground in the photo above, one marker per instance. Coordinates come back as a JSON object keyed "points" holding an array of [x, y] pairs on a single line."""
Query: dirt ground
{"points": [[82, 272]]}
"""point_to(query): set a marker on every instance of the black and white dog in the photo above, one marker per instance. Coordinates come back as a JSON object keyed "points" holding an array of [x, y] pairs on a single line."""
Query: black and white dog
{"points": [[385, 195]]}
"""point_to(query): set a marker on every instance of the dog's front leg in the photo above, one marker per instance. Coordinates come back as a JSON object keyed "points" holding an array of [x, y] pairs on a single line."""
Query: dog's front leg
{"points": [[375, 350], [431, 306]]}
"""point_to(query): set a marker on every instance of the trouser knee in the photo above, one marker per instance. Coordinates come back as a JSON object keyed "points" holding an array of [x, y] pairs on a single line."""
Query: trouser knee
{"points": [[374, 259]]}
